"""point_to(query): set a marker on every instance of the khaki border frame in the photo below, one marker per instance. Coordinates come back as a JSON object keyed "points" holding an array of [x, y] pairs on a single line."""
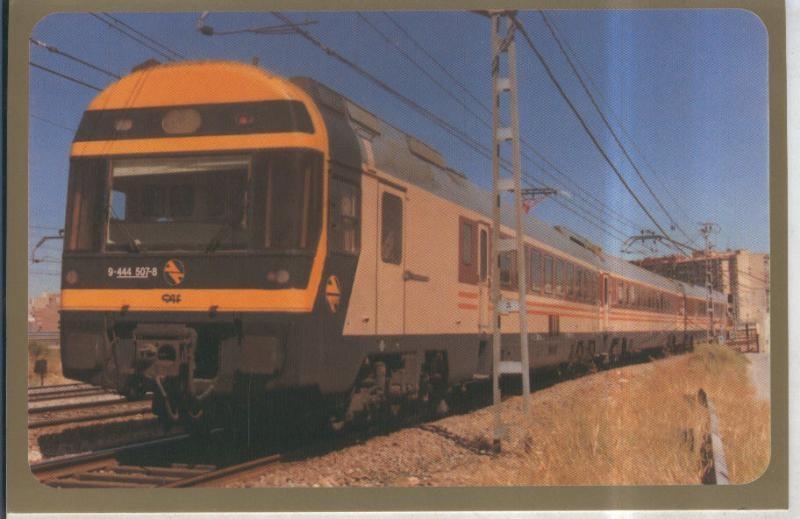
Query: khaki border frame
{"points": [[25, 494]]}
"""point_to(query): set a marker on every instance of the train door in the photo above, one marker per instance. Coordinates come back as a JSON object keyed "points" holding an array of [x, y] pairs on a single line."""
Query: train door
{"points": [[390, 285], [484, 275]]}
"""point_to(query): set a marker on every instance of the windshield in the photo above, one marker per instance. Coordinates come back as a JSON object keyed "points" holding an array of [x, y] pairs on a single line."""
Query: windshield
{"points": [[268, 200]]}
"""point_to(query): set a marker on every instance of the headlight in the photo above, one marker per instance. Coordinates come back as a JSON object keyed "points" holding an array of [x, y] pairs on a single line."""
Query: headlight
{"points": [[280, 276], [71, 277]]}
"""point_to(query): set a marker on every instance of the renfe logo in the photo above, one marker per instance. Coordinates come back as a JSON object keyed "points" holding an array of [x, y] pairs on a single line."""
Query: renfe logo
{"points": [[171, 298], [174, 272]]}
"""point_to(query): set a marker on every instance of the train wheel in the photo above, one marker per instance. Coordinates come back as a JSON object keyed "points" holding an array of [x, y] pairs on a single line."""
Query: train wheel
{"points": [[134, 390]]}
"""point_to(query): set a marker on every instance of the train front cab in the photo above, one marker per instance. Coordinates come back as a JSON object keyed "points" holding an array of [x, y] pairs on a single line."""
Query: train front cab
{"points": [[196, 234]]}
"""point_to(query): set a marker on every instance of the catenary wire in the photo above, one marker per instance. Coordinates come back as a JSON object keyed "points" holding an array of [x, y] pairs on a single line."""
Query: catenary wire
{"points": [[56, 50], [572, 184], [657, 175], [607, 124], [587, 130], [455, 132], [133, 37], [146, 37], [64, 76]]}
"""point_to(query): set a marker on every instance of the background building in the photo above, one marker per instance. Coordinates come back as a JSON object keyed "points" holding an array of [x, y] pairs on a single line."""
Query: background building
{"points": [[43, 312], [742, 275]]}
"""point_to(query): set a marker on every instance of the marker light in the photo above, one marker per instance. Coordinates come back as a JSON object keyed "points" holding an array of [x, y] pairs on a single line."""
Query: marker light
{"points": [[245, 119], [181, 121]]}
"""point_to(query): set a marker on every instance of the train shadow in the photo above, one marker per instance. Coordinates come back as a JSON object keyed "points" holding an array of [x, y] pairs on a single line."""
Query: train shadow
{"points": [[310, 439]]}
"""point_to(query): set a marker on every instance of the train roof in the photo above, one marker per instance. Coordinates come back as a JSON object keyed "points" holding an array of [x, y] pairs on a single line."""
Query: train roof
{"points": [[407, 158], [167, 84]]}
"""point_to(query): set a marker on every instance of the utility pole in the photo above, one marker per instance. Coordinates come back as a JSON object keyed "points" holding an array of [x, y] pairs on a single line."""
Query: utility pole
{"points": [[706, 230], [505, 45]]}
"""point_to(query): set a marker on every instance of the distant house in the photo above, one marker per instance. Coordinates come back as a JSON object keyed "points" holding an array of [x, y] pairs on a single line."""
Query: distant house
{"points": [[43, 312]]}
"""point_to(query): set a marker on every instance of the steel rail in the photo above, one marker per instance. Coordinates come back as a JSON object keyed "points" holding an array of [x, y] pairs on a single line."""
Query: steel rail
{"points": [[75, 405], [71, 461], [38, 424], [225, 472]]}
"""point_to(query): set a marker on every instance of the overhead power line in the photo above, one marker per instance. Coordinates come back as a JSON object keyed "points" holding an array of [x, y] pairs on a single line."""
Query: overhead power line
{"points": [[449, 128], [163, 53], [438, 63], [656, 174], [64, 76], [605, 121], [56, 50], [52, 123], [586, 128], [488, 125], [586, 195], [146, 37]]}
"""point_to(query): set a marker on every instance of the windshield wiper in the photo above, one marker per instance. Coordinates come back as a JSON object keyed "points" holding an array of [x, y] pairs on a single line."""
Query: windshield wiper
{"points": [[216, 240], [135, 245]]}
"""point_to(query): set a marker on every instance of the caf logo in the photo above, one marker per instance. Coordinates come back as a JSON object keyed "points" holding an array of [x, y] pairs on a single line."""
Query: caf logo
{"points": [[174, 272]]}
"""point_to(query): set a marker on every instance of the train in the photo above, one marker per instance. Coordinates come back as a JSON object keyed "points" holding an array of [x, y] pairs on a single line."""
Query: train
{"points": [[233, 234]]}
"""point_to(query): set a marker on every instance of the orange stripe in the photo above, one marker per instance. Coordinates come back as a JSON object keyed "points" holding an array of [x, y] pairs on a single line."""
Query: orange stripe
{"points": [[468, 295], [466, 306], [538, 312], [246, 300], [206, 143], [581, 308]]}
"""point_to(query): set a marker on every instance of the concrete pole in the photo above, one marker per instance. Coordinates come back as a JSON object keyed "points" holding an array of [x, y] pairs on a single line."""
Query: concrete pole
{"points": [[519, 213], [494, 254]]}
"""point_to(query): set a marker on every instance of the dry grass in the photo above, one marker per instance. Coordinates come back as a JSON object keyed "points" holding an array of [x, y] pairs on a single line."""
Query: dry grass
{"points": [[637, 425]]}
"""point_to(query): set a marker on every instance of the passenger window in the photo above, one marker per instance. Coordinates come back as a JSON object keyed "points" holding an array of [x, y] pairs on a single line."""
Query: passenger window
{"points": [[507, 269], [484, 254], [587, 294], [536, 269], [570, 280], [560, 278], [344, 217], [548, 274], [391, 229]]}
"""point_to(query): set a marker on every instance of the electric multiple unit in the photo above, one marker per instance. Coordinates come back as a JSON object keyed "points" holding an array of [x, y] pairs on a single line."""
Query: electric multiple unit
{"points": [[230, 233]]}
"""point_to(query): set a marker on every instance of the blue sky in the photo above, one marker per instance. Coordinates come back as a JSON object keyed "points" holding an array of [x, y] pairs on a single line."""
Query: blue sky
{"points": [[689, 87]]}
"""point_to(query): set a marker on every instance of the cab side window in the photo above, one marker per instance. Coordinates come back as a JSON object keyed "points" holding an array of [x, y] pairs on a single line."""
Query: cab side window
{"points": [[391, 229], [344, 220], [467, 252]]}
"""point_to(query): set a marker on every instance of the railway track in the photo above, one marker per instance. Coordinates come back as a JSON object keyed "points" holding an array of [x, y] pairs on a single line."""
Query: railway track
{"points": [[60, 395], [131, 410], [103, 469], [62, 398], [55, 388], [116, 468], [69, 406]]}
